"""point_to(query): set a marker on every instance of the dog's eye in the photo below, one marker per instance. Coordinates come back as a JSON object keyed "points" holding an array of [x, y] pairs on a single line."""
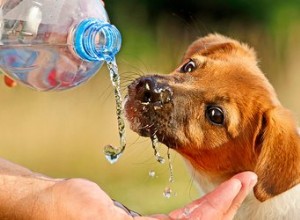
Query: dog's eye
{"points": [[215, 115], [188, 67]]}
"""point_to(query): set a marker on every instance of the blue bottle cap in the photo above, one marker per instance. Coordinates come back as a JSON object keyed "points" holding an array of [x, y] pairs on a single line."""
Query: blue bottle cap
{"points": [[96, 40]]}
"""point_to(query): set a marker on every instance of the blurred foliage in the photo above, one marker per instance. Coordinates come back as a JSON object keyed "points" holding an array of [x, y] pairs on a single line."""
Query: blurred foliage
{"points": [[261, 11], [63, 134]]}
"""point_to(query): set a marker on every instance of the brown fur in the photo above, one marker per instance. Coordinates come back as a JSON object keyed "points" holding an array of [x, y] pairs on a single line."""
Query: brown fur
{"points": [[258, 134]]}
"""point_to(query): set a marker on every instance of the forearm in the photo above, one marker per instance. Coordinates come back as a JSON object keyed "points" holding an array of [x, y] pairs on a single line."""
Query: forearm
{"points": [[9, 168], [19, 189]]}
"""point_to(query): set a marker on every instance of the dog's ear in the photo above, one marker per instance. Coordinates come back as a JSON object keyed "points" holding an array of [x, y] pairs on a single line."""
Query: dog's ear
{"points": [[216, 44], [278, 166]]}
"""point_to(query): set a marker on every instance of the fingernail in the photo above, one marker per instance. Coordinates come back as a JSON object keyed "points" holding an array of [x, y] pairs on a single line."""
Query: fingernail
{"points": [[253, 181]]}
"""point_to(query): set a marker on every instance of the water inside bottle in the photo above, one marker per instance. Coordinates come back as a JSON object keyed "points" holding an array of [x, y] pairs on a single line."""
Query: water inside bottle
{"points": [[45, 67], [113, 153]]}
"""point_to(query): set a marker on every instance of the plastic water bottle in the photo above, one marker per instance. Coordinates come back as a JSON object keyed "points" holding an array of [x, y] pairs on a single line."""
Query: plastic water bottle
{"points": [[55, 44]]}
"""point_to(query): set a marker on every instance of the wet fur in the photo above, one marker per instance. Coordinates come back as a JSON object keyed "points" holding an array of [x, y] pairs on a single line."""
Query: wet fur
{"points": [[258, 134]]}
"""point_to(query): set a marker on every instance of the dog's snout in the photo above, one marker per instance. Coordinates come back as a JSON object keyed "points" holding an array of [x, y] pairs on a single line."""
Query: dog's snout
{"points": [[150, 91]]}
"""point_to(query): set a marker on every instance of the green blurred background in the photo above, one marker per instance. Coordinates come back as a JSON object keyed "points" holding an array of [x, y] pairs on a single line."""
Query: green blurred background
{"points": [[63, 134]]}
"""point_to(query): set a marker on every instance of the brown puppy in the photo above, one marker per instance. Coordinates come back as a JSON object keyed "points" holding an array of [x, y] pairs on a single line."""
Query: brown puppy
{"points": [[222, 115]]}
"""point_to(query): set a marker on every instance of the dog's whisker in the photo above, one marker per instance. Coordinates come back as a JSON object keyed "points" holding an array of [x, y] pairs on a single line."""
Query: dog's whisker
{"points": [[139, 71], [147, 126], [211, 115]]}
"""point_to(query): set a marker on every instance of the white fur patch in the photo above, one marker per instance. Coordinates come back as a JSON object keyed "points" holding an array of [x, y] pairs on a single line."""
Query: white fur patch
{"points": [[285, 206]]}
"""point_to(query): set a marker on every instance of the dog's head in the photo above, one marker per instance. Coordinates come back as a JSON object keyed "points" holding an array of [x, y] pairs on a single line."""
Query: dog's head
{"points": [[220, 113]]}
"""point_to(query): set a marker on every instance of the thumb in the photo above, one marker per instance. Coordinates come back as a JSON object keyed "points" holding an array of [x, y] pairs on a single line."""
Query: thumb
{"points": [[248, 180], [222, 203]]}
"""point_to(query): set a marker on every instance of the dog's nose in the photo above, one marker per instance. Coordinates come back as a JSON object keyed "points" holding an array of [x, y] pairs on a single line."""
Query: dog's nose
{"points": [[150, 91]]}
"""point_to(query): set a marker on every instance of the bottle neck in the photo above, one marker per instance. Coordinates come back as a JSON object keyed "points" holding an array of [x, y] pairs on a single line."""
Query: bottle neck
{"points": [[96, 40]]}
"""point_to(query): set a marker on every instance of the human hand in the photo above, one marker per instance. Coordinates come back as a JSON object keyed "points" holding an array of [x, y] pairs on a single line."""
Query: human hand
{"points": [[81, 199], [74, 199], [32, 196], [221, 204]]}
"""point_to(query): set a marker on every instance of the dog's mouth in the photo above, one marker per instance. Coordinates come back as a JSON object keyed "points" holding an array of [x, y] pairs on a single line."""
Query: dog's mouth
{"points": [[149, 109]]}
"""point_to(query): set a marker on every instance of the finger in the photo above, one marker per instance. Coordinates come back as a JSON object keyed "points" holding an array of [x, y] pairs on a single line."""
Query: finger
{"points": [[222, 208], [155, 217], [226, 206], [220, 201], [217, 201], [230, 194], [248, 180]]}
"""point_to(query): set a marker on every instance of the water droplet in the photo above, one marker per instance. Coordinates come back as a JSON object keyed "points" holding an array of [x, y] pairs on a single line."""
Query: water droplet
{"points": [[167, 192], [154, 141], [160, 159], [186, 212], [157, 107], [171, 178], [113, 153], [152, 173], [147, 86]]}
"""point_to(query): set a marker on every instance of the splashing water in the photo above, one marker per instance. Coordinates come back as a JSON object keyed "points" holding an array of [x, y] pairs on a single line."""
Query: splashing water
{"points": [[167, 193], [152, 173], [186, 212], [112, 153], [171, 178], [157, 155]]}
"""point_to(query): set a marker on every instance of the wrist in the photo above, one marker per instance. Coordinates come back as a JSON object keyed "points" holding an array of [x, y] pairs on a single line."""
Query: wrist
{"points": [[22, 195]]}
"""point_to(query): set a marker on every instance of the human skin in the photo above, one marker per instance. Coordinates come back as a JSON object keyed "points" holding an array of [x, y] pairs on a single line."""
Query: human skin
{"points": [[31, 196]]}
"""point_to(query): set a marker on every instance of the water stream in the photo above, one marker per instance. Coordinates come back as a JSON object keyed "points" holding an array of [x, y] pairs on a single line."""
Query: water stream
{"points": [[113, 153]]}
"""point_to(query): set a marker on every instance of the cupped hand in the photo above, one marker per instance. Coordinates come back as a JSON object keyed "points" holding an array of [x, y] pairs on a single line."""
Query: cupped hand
{"points": [[82, 199], [220, 204]]}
